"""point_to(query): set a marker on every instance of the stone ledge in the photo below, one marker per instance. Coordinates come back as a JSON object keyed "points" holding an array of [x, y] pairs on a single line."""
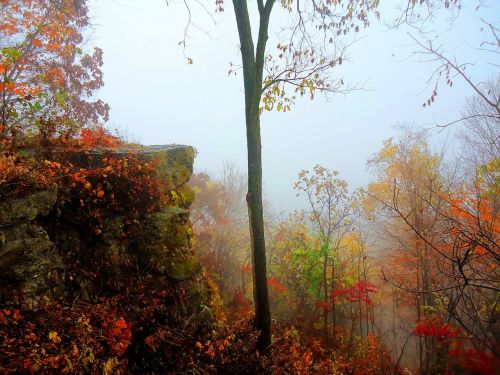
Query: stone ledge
{"points": [[175, 162], [26, 209]]}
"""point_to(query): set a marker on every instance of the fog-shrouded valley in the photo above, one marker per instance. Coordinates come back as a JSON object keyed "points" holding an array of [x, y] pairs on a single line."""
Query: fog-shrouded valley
{"points": [[249, 187]]}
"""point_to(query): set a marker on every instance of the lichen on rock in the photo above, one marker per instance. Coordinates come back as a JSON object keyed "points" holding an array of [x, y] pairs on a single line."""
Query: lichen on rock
{"points": [[30, 265]]}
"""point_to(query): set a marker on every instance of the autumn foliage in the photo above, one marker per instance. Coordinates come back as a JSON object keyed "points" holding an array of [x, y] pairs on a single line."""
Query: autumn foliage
{"points": [[19, 174], [126, 186], [433, 328], [358, 292], [402, 274], [46, 79]]}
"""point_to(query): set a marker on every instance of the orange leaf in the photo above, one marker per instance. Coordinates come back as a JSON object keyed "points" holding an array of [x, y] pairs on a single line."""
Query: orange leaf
{"points": [[121, 323]]}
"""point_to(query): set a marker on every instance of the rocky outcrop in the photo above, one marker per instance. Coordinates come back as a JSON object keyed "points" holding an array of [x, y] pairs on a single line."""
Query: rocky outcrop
{"points": [[27, 208], [30, 266], [165, 240], [175, 162], [162, 246]]}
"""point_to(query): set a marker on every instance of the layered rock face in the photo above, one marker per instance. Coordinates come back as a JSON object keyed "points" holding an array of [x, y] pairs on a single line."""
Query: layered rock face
{"points": [[30, 266], [33, 269]]}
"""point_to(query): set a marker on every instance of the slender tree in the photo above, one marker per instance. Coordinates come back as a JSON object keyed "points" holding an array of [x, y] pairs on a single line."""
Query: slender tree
{"points": [[311, 44], [304, 60], [331, 210]]}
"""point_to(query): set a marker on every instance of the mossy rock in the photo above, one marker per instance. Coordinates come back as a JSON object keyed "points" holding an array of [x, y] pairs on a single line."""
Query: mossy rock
{"points": [[185, 196], [27, 208], [31, 265], [20, 258], [165, 231], [175, 163], [197, 296], [180, 268]]}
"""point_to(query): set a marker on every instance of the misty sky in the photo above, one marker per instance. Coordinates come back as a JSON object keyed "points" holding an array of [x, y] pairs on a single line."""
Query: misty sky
{"points": [[159, 99]]}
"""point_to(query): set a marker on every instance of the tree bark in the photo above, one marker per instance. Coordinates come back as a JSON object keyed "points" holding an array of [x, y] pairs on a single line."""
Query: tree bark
{"points": [[253, 63], [325, 298]]}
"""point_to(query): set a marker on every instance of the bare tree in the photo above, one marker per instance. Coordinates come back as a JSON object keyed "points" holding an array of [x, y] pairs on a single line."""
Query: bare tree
{"points": [[480, 136], [420, 15]]}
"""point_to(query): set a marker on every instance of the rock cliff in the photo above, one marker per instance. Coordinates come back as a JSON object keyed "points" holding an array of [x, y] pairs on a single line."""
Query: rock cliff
{"points": [[38, 256]]}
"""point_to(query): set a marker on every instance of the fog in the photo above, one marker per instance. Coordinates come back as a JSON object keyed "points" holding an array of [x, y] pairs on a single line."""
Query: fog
{"points": [[126, 262], [158, 98]]}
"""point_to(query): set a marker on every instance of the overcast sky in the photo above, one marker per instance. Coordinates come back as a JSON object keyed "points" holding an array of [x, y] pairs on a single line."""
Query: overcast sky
{"points": [[160, 99]]}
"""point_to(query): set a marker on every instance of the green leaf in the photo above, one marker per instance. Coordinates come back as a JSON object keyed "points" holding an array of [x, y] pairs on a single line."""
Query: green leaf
{"points": [[11, 52], [60, 97]]}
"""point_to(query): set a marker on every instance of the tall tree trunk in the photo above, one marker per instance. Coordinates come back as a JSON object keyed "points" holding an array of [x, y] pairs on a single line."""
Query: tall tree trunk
{"points": [[325, 300], [419, 312], [253, 63], [332, 302], [256, 220], [367, 306], [360, 304], [394, 333]]}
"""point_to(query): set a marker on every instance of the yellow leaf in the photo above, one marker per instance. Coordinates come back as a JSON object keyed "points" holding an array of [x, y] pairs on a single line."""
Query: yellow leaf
{"points": [[109, 365], [54, 337]]}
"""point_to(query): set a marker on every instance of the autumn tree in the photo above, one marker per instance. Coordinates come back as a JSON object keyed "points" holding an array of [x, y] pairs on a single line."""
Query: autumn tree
{"points": [[331, 212], [408, 176], [288, 241], [470, 253], [445, 247], [46, 79], [311, 45], [321, 277], [354, 290], [219, 223]]}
